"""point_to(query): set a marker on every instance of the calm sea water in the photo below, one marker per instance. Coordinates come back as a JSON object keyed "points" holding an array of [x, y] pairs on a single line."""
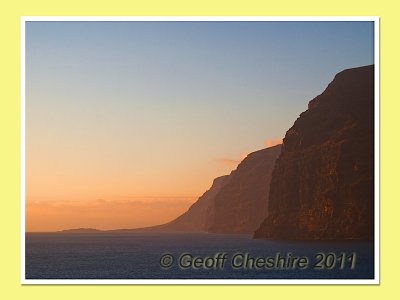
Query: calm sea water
{"points": [[138, 256]]}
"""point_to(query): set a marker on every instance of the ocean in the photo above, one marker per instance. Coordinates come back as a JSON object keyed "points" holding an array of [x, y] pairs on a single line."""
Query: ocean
{"points": [[158, 255]]}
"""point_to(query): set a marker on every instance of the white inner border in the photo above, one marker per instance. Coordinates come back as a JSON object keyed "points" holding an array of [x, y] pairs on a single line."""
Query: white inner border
{"points": [[376, 280]]}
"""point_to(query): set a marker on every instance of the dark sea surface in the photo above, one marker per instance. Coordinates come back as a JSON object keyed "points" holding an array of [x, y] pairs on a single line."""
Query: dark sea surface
{"points": [[138, 256]]}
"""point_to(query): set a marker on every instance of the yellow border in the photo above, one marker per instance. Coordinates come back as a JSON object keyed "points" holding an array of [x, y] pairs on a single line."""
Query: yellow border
{"points": [[9, 128]]}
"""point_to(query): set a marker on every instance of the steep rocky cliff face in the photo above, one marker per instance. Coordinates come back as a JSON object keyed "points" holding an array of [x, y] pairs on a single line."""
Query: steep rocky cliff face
{"points": [[241, 204], [235, 203], [322, 186], [200, 213]]}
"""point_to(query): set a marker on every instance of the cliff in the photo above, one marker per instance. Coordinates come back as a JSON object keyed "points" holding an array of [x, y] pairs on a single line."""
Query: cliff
{"points": [[241, 204], [235, 203], [200, 213], [322, 186]]}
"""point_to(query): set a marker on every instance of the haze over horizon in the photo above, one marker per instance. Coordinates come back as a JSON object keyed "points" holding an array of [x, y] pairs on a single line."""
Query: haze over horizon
{"points": [[127, 123]]}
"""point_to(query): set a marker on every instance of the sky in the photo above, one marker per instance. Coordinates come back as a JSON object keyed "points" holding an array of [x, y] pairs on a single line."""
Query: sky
{"points": [[128, 123]]}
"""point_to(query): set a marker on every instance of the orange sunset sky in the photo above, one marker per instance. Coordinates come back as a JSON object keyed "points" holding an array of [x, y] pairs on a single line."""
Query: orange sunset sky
{"points": [[128, 123]]}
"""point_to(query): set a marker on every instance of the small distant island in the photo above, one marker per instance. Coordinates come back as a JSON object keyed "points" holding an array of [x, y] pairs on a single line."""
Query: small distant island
{"points": [[80, 230]]}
